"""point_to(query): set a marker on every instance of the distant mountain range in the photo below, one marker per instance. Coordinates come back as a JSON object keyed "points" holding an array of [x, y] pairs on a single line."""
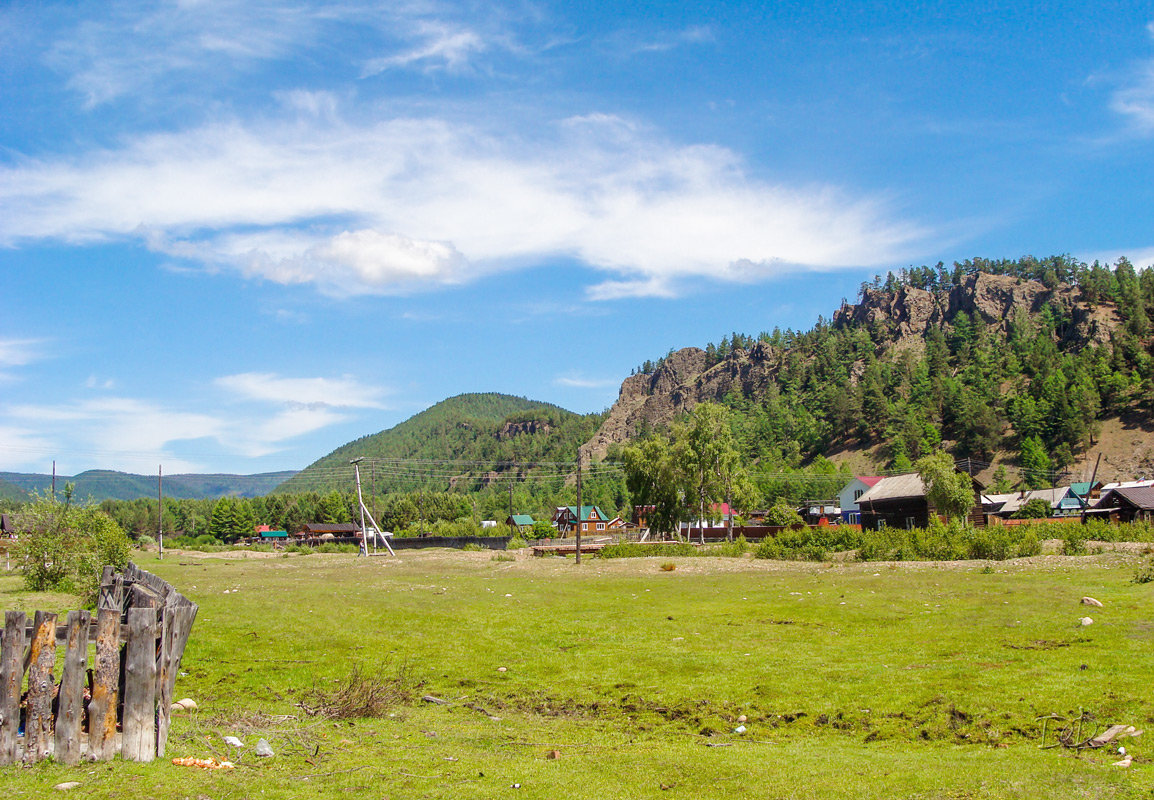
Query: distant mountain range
{"points": [[101, 484]]}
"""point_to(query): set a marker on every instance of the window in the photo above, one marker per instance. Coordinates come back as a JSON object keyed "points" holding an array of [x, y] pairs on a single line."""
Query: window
{"points": [[857, 493], [600, 526]]}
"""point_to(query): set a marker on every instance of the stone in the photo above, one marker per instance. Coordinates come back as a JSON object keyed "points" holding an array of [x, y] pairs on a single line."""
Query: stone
{"points": [[64, 787], [502, 669], [553, 755], [1084, 621], [1090, 601], [742, 718], [263, 748]]}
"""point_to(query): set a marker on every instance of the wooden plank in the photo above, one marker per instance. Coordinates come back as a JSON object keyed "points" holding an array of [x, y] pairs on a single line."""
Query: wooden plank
{"points": [[107, 598], [177, 627], [163, 686], [11, 678], [70, 704], [38, 709], [105, 686], [138, 742]]}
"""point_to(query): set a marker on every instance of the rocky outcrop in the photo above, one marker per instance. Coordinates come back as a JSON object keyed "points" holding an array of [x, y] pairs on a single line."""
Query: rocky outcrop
{"points": [[513, 429], [898, 320]]}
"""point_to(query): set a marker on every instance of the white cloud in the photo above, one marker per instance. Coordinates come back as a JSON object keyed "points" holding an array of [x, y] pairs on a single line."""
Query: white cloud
{"points": [[440, 46], [405, 204], [343, 392], [19, 352], [135, 434], [580, 382], [1135, 99]]}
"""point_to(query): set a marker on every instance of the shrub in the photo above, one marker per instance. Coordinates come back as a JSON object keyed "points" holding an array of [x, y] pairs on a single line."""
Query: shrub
{"points": [[1074, 542], [516, 543], [635, 550], [64, 547]]}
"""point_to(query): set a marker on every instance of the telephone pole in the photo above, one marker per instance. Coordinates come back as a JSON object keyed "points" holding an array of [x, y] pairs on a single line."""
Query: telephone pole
{"points": [[578, 506], [160, 508]]}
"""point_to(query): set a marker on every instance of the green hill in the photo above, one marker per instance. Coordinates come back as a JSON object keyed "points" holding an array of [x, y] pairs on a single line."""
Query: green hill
{"points": [[10, 491], [464, 442], [103, 484]]}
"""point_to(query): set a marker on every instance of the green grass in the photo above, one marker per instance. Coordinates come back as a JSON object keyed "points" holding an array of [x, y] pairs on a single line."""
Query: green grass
{"points": [[856, 680]]}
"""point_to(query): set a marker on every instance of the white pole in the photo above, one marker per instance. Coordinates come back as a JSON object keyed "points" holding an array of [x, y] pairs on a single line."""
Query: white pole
{"points": [[361, 503]]}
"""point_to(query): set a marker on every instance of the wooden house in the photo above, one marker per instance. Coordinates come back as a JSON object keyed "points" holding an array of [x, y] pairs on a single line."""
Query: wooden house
{"points": [[900, 502], [1128, 504], [522, 523], [592, 518]]}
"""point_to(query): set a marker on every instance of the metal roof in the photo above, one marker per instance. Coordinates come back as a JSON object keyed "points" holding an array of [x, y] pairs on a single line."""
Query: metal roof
{"points": [[898, 487], [1138, 496]]}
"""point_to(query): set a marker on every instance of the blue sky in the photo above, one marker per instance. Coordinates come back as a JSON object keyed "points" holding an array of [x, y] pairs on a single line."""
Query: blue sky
{"points": [[235, 235]]}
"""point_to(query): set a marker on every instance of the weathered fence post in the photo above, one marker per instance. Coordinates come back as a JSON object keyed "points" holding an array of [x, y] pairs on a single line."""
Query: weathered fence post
{"points": [[38, 709], [105, 686], [138, 742], [70, 708], [11, 676]]}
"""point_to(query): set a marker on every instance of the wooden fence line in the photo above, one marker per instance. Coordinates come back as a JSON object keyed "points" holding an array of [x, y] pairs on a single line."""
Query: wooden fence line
{"points": [[52, 720]]}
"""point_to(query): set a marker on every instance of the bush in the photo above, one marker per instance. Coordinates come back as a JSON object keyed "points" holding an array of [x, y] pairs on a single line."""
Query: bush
{"points": [[62, 547], [635, 550], [516, 543]]}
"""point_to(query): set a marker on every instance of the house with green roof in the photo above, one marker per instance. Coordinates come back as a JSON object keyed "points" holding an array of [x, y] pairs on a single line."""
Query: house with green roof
{"points": [[522, 523], [592, 519]]}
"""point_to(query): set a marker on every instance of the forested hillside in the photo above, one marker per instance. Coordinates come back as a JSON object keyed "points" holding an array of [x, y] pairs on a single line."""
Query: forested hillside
{"points": [[102, 484], [1021, 361], [465, 442]]}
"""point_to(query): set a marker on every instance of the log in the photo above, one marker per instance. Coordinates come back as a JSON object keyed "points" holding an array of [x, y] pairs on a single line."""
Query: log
{"points": [[105, 686], [70, 708], [38, 709], [11, 677], [138, 742]]}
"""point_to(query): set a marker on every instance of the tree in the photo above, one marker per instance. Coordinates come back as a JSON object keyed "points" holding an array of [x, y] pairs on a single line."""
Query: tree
{"points": [[65, 547], [652, 480], [1035, 508], [1035, 462], [706, 456], [949, 491]]}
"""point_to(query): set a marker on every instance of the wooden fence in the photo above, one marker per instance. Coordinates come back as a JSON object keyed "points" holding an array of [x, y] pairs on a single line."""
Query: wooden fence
{"points": [[139, 632]]}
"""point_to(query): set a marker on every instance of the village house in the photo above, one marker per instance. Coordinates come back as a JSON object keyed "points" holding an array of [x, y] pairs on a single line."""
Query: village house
{"points": [[522, 523], [1128, 504], [593, 519], [900, 502], [847, 498]]}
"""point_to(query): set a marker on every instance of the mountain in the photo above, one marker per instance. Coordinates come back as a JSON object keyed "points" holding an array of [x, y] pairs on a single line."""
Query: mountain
{"points": [[1040, 365], [480, 433], [110, 485], [10, 491]]}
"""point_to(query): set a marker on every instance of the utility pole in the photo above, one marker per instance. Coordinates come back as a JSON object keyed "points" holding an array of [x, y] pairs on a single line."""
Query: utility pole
{"points": [[356, 462], [578, 506], [54, 480], [160, 508], [510, 498]]}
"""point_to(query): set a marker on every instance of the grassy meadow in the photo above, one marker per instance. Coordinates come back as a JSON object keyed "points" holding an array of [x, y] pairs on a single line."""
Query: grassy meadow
{"points": [[626, 679]]}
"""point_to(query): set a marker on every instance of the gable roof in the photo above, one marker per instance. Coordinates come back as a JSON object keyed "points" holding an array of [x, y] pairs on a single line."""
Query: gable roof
{"points": [[521, 519], [869, 480], [587, 511], [1141, 497], [896, 487]]}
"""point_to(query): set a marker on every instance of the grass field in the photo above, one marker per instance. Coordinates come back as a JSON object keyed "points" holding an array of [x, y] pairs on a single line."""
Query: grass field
{"points": [[620, 679]]}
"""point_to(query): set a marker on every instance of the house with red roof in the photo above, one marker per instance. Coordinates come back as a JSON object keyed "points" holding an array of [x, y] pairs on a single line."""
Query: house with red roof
{"points": [[848, 497]]}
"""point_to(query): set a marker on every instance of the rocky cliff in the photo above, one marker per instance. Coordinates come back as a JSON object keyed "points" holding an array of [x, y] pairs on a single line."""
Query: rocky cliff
{"points": [[897, 320]]}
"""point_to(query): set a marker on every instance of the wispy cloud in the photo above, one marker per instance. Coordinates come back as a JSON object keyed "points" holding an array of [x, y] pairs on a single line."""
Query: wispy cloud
{"points": [[126, 433], [1134, 99], [343, 392], [440, 45], [18, 353], [411, 204], [575, 381], [665, 41]]}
